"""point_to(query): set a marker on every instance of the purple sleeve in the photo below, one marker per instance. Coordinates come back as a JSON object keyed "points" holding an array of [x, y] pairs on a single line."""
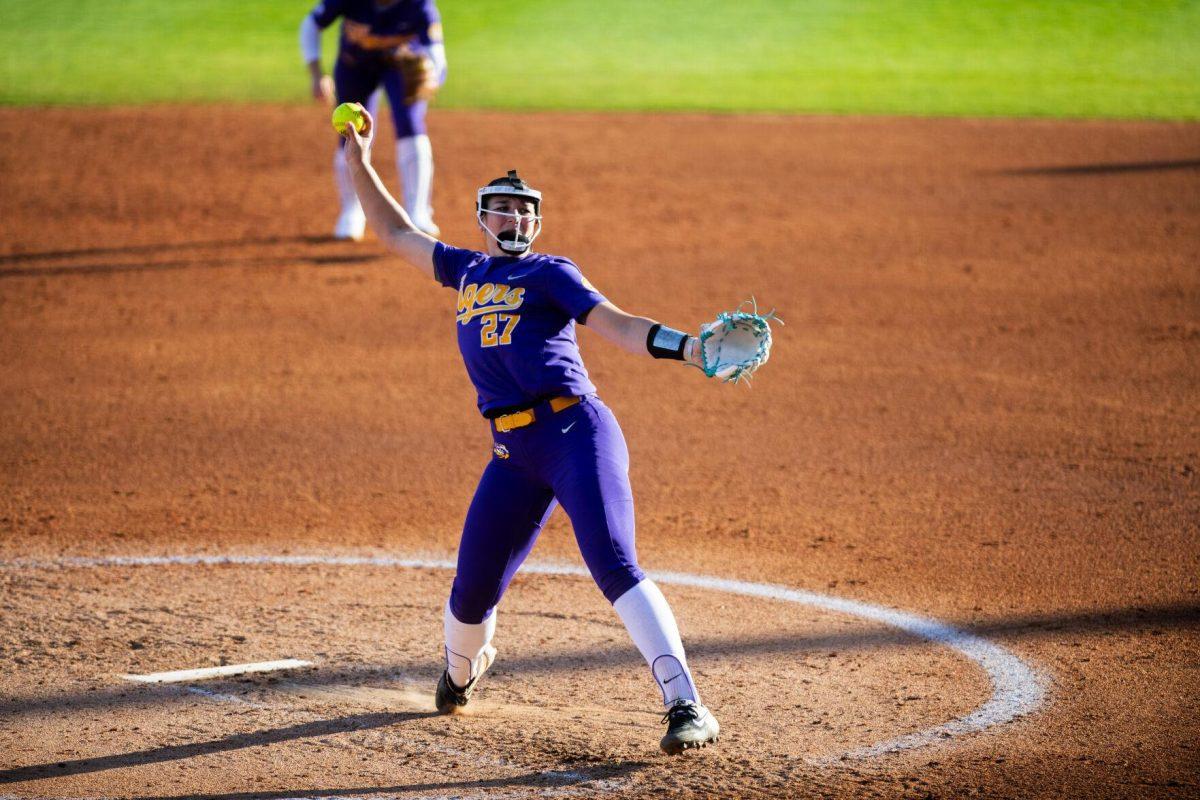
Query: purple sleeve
{"points": [[449, 263], [326, 12], [569, 291]]}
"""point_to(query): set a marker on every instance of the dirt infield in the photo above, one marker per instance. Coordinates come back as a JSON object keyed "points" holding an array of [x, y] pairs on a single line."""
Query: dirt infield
{"points": [[982, 411]]}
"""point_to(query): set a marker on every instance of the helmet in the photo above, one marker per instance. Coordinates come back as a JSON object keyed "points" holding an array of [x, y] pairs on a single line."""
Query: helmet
{"points": [[510, 185]]}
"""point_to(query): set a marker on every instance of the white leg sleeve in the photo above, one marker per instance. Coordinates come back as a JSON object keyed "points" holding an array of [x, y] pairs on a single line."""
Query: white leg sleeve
{"points": [[414, 157], [345, 184], [468, 647], [651, 625]]}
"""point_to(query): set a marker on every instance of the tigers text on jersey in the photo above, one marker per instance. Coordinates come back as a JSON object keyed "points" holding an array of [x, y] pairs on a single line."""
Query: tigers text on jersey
{"points": [[516, 323]]}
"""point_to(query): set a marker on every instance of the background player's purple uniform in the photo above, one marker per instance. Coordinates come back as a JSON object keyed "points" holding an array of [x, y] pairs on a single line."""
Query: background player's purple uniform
{"points": [[516, 322], [372, 35], [370, 32]]}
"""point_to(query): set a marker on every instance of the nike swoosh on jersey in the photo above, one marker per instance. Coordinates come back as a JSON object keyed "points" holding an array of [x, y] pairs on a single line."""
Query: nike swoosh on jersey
{"points": [[523, 273], [572, 425]]}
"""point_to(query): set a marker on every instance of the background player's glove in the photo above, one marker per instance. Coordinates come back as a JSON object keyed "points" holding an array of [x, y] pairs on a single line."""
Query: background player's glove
{"points": [[736, 343], [419, 73]]}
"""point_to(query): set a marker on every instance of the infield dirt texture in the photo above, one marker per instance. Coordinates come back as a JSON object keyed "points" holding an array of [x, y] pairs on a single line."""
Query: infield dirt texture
{"points": [[983, 409]]}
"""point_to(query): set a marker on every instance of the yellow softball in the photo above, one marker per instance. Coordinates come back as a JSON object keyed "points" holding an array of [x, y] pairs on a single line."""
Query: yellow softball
{"points": [[349, 114]]}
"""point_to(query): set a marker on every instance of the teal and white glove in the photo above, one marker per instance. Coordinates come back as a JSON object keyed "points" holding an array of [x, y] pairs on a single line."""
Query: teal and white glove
{"points": [[736, 343]]}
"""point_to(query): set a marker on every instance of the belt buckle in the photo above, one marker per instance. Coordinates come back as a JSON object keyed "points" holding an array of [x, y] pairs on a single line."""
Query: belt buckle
{"points": [[518, 419]]}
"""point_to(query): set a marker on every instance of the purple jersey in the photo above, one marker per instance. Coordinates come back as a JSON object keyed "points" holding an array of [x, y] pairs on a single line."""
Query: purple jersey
{"points": [[372, 29], [516, 324]]}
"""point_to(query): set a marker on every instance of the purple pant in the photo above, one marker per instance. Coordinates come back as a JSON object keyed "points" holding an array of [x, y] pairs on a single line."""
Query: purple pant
{"points": [[576, 458], [356, 83]]}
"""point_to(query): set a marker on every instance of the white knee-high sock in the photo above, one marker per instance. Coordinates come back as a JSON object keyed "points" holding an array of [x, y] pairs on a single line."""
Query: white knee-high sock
{"points": [[414, 157], [345, 184], [469, 648], [651, 625]]}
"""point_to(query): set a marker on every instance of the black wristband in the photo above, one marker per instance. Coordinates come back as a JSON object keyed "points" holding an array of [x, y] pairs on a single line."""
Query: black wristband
{"points": [[664, 342]]}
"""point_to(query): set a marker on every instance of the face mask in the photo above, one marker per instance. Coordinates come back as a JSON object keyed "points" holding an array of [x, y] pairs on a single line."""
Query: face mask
{"points": [[513, 241]]}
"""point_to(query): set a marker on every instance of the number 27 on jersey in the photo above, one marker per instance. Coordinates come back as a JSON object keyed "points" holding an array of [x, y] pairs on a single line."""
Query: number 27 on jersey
{"points": [[497, 329]]}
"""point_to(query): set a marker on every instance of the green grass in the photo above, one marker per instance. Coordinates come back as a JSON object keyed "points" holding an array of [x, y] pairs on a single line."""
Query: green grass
{"points": [[928, 57]]}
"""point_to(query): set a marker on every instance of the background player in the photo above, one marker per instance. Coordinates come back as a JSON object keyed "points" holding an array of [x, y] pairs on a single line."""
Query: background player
{"points": [[554, 442], [378, 40]]}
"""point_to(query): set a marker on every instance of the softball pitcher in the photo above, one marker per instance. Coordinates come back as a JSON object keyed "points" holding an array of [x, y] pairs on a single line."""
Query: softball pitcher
{"points": [[554, 441], [396, 44]]}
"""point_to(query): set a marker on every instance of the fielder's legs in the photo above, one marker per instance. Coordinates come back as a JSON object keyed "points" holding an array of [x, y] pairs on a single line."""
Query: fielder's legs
{"points": [[351, 222], [414, 154], [353, 85]]}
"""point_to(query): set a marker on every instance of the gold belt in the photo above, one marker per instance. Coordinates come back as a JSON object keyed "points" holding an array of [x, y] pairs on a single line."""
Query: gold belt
{"points": [[519, 419]]}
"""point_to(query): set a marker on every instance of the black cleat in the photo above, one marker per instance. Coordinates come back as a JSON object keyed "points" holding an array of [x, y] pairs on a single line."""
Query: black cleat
{"points": [[688, 725], [450, 698]]}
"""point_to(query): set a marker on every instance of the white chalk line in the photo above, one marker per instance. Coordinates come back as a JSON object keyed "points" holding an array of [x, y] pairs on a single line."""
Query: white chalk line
{"points": [[223, 671], [1017, 689]]}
